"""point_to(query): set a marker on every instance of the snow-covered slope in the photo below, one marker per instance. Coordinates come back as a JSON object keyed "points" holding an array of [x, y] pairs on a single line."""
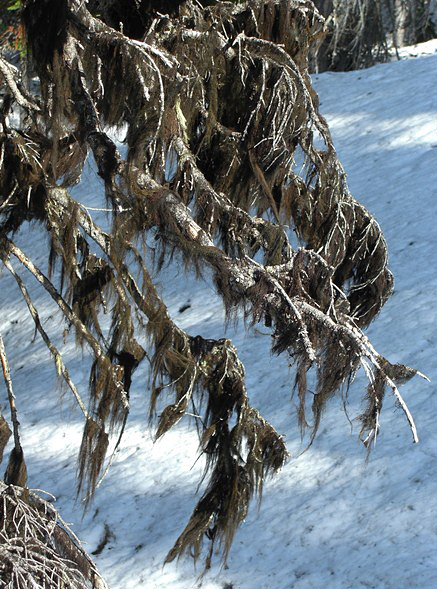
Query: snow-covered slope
{"points": [[328, 519]]}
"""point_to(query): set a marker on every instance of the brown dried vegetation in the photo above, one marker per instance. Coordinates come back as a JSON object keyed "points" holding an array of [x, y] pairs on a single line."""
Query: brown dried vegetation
{"points": [[224, 91], [37, 549]]}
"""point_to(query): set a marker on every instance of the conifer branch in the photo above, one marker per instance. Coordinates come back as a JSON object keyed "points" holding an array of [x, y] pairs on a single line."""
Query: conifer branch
{"points": [[65, 308], [226, 150], [59, 363]]}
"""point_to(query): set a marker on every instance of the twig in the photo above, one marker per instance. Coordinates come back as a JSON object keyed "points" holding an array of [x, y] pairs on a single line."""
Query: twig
{"points": [[67, 311], [60, 366], [11, 396], [10, 74], [37, 547], [262, 180]]}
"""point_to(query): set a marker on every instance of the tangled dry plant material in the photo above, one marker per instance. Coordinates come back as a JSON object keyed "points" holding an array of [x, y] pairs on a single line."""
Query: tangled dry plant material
{"points": [[223, 92], [361, 33], [37, 548]]}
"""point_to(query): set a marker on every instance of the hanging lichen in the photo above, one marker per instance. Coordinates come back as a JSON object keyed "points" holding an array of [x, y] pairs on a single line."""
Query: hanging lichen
{"points": [[225, 148]]}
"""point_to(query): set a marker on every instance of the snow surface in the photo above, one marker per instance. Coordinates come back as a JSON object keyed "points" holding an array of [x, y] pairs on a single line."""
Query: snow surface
{"points": [[329, 519]]}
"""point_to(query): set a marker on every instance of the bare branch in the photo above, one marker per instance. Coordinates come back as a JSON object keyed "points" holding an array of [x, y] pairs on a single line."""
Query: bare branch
{"points": [[11, 396], [11, 76]]}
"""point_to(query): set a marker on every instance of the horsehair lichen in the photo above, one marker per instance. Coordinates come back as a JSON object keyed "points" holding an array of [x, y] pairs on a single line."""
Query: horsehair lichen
{"points": [[223, 91]]}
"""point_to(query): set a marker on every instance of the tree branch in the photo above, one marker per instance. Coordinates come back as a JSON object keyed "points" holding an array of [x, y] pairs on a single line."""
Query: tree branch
{"points": [[11, 396], [60, 366]]}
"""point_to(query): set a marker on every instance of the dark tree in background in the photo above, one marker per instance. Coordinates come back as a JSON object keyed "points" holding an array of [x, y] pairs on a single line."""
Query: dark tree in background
{"points": [[222, 90], [361, 33]]}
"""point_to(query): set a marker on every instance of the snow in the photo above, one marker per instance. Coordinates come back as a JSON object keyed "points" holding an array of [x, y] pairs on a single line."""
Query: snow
{"points": [[329, 518]]}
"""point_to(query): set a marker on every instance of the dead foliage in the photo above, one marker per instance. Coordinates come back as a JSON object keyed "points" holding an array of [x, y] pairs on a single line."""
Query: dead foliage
{"points": [[37, 549], [226, 154]]}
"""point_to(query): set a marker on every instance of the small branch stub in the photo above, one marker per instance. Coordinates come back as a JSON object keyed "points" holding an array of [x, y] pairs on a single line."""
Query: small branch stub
{"points": [[16, 471]]}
